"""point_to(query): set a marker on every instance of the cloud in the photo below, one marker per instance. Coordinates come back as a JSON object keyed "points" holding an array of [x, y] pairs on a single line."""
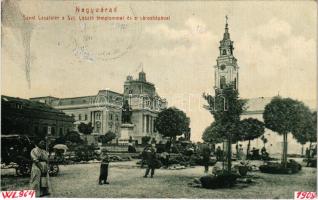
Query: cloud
{"points": [[274, 59], [192, 37], [275, 28]]}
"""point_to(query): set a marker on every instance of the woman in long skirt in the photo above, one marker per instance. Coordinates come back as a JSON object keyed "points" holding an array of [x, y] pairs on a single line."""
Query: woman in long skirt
{"points": [[39, 171]]}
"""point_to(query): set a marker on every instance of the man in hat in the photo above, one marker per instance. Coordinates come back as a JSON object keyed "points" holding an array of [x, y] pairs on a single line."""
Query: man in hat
{"points": [[104, 168], [150, 153], [205, 153]]}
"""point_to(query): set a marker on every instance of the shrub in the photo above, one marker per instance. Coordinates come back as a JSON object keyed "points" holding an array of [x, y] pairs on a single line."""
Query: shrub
{"points": [[223, 180], [85, 153], [109, 136], [145, 140], [277, 168]]}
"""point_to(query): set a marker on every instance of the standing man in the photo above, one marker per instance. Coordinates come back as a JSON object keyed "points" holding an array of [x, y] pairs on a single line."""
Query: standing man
{"points": [[206, 152], [104, 168], [150, 154]]}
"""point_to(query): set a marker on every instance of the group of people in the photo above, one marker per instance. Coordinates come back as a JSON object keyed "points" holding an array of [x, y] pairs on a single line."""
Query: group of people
{"points": [[39, 180], [39, 172]]}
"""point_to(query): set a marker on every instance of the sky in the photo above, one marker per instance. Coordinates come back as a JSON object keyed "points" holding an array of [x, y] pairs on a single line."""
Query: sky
{"points": [[274, 41]]}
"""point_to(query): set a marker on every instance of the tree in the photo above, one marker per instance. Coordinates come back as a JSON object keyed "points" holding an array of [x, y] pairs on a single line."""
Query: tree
{"points": [[226, 108], [212, 134], [86, 129], [172, 122], [251, 129], [73, 136], [285, 115], [109, 136], [307, 132], [313, 131]]}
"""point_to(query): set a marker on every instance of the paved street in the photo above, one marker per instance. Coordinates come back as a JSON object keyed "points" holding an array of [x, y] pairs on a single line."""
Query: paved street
{"points": [[126, 181]]}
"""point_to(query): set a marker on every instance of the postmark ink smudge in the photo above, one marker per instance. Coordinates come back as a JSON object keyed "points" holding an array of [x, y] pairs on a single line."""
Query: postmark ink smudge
{"points": [[106, 40], [12, 17]]}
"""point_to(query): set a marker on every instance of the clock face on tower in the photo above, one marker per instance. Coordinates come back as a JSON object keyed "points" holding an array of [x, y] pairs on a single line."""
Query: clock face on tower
{"points": [[222, 67]]}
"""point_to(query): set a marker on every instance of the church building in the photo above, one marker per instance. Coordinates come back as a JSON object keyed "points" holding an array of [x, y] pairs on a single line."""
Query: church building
{"points": [[227, 72]]}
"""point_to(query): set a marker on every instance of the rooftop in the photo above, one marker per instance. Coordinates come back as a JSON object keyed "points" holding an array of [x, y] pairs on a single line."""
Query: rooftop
{"points": [[257, 105], [25, 103]]}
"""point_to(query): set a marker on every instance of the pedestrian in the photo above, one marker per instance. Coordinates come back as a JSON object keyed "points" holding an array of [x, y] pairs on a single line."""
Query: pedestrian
{"points": [[165, 158], [131, 148], [151, 160], [241, 152], [39, 171], [206, 152], [218, 153], [144, 156], [264, 153], [104, 168]]}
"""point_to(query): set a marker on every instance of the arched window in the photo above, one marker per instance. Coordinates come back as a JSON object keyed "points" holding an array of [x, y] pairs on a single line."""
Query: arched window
{"points": [[224, 52], [222, 82], [98, 115]]}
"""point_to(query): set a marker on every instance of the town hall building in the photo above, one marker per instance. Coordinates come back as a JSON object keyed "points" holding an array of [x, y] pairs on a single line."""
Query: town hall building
{"points": [[104, 110]]}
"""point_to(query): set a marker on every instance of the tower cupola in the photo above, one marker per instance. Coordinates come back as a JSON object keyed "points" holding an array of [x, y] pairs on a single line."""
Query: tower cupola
{"points": [[142, 76]]}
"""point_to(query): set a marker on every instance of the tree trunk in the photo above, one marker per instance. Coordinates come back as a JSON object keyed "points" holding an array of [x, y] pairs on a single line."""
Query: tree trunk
{"points": [[284, 158], [310, 143], [229, 155], [248, 149], [86, 140], [237, 148], [223, 156]]}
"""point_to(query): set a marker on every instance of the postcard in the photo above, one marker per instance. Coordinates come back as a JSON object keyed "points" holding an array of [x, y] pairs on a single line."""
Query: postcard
{"points": [[158, 99]]}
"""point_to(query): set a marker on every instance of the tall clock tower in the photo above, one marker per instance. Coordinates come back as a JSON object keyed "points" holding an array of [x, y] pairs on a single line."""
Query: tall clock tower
{"points": [[226, 70]]}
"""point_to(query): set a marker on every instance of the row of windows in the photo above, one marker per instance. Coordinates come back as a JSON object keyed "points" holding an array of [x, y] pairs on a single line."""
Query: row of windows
{"points": [[110, 127], [97, 116], [111, 117], [80, 117], [44, 130]]}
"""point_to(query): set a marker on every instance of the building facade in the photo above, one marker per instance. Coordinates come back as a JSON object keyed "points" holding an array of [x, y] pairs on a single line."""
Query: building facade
{"points": [[145, 104], [104, 110], [34, 119]]}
